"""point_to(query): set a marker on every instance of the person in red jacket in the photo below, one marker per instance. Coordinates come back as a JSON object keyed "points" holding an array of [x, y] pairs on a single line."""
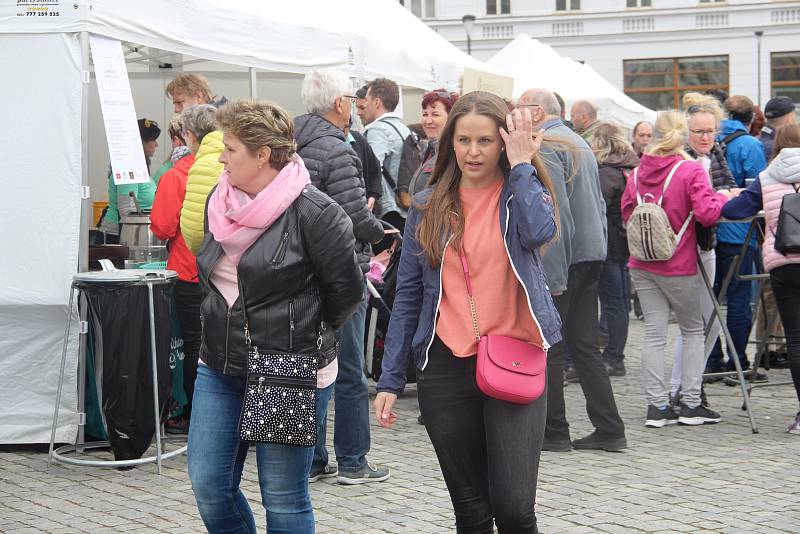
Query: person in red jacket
{"points": [[165, 224]]}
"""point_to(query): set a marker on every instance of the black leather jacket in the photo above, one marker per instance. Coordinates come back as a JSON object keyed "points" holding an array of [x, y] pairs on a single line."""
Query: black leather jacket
{"points": [[299, 279]]}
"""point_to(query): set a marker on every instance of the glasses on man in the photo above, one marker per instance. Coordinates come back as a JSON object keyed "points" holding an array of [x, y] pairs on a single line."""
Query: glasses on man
{"points": [[703, 133], [351, 98], [529, 106]]}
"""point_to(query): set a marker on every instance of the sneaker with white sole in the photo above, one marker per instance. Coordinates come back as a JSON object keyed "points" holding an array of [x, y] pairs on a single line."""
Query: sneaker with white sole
{"points": [[794, 428], [658, 418], [699, 415], [329, 471], [368, 473]]}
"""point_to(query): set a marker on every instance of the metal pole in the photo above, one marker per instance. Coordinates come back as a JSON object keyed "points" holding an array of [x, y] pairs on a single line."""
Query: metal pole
{"points": [[253, 83], [156, 410], [61, 376], [83, 238], [469, 45], [759, 34]]}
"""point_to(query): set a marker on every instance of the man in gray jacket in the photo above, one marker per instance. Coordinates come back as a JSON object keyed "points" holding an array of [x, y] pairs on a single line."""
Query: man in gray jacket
{"points": [[573, 266], [385, 133], [336, 170]]}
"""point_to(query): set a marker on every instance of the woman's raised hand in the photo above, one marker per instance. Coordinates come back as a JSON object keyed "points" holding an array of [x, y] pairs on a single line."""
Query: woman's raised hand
{"points": [[522, 143]]}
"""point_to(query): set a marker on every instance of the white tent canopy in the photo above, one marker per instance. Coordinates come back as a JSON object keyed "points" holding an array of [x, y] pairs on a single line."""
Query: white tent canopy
{"points": [[535, 64], [45, 140]]}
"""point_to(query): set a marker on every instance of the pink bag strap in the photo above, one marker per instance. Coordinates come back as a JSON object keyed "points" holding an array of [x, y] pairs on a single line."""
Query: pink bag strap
{"points": [[468, 279]]}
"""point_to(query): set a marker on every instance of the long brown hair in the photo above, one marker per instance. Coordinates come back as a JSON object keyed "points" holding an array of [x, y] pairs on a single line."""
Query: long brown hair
{"points": [[437, 213], [788, 136]]}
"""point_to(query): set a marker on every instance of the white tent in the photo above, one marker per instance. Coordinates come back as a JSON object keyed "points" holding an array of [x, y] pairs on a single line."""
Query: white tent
{"points": [[535, 64], [44, 54]]}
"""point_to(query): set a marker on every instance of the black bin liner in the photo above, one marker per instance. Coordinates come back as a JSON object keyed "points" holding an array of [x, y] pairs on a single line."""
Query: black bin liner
{"points": [[119, 314]]}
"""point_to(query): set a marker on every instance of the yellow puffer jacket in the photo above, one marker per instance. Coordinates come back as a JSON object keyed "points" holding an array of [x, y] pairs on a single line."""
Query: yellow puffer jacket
{"points": [[203, 176]]}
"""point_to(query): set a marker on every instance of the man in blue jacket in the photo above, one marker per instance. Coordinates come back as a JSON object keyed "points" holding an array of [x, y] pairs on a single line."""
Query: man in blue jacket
{"points": [[745, 156]]}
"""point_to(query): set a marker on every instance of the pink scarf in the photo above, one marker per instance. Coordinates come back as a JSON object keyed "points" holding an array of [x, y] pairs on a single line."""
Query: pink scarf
{"points": [[237, 221]]}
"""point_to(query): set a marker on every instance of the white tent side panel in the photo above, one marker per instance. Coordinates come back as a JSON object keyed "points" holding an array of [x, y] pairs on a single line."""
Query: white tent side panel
{"points": [[40, 206]]}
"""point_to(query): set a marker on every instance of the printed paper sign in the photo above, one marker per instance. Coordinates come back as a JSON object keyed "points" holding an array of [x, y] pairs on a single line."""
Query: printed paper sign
{"points": [[128, 165]]}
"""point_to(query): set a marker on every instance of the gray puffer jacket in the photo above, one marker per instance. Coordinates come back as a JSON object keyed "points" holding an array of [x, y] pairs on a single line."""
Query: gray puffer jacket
{"points": [[336, 171], [721, 178]]}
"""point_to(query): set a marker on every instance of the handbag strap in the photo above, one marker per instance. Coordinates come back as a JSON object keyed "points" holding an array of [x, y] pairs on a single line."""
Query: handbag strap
{"points": [[468, 279]]}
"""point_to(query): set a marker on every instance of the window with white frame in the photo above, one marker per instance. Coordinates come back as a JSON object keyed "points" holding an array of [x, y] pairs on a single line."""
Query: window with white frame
{"points": [[785, 67], [498, 7], [568, 5], [424, 8], [639, 3]]}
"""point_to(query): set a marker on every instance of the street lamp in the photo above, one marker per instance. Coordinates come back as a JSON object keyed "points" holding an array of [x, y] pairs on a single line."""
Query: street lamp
{"points": [[759, 34], [469, 23]]}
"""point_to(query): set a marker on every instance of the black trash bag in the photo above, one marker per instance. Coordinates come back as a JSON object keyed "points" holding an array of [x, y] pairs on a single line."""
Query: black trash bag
{"points": [[121, 325]]}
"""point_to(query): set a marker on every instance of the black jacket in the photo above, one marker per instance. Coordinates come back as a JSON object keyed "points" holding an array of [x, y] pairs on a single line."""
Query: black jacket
{"points": [[336, 171], [721, 178], [299, 279], [369, 163], [612, 184]]}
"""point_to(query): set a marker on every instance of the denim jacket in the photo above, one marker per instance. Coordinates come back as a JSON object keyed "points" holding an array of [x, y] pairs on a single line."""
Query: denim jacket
{"points": [[527, 220]]}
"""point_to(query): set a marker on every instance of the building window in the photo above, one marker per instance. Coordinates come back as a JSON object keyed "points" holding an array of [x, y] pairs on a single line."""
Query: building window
{"points": [[639, 3], [786, 74], [424, 8], [660, 83], [568, 5], [493, 5], [712, 1]]}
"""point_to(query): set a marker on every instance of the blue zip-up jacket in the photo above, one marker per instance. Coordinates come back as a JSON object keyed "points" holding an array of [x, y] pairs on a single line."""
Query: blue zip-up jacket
{"points": [[745, 156], [527, 220]]}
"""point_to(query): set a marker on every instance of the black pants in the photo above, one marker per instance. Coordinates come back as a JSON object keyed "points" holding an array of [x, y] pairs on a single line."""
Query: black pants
{"points": [[488, 449], [786, 286], [187, 300], [578, 309]]}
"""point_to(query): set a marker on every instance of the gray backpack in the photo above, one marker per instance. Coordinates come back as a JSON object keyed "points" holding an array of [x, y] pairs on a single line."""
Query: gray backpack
{"points": [[650, 235]]}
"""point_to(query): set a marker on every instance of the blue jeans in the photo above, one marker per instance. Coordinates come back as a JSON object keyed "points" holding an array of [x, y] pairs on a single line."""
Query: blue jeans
{"points": [[613, 293], [351, 438], [216, 458], [740, 313]]}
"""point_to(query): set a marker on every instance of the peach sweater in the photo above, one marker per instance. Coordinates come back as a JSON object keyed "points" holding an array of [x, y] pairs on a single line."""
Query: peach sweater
{"points": [[500, 300]]}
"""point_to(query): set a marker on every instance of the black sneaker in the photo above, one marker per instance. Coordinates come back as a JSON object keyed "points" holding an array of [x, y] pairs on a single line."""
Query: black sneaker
{"points": [[556, 445], [760, 378], [657, 418], [368, 473], [615, 368], [699, 415], [571, 375], [594, 442], [328, 471]]}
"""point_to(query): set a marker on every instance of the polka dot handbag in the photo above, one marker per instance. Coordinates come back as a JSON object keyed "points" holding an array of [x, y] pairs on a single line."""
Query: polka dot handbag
{"points": [[280, 400]]}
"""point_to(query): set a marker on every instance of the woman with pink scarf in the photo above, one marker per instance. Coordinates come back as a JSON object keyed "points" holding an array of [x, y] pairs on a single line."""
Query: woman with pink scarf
{"points": [[280, 253]]}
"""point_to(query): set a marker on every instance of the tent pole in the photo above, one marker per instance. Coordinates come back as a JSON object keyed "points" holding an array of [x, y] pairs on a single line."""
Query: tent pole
{"points": [[253, 83]]}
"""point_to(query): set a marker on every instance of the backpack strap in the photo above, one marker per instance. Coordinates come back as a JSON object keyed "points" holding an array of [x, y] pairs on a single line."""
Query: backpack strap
{"points": [[386, 121], [730, 137], [636, 186], [669, 179]]}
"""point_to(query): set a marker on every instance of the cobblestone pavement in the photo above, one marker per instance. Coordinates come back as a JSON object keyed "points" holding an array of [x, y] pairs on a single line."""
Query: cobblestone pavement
{"points": [[712, 479]]}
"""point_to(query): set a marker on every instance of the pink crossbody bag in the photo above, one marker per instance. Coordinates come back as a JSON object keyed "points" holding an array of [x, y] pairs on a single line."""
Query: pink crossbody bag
{"points": [[508, 369]]}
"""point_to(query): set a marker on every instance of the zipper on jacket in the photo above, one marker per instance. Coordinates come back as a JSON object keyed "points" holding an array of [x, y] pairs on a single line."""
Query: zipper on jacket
{"points": [[438, 302], [280, 253], [291, 325], [227, 337], [545, 344]]}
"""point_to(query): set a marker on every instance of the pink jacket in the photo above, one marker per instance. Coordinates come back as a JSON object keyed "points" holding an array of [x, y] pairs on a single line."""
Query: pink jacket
{"points": [[689, 190], [776, 181]]}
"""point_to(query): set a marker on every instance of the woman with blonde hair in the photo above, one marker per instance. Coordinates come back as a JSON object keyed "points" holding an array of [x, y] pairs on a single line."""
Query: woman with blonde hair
{"points": [[278, 272], [668, 176], [615, 159], [703, 115], [483, 218]]}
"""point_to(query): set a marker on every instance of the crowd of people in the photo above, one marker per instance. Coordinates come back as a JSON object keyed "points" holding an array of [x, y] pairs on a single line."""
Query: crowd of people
{"points": [[517, 225]]}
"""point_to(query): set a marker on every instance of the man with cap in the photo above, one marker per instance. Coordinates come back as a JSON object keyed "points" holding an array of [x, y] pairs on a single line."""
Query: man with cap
{"points": [[778, 112]]}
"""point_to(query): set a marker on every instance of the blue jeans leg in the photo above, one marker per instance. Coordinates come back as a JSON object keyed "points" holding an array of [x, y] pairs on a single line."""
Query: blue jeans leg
{"points": [[216, 458], [739, 311], [321, 451], [613, 293], [351, 434]]}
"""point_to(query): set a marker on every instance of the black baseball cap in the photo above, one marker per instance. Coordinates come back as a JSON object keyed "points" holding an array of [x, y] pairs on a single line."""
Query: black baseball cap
{"points": [[778, 107]]}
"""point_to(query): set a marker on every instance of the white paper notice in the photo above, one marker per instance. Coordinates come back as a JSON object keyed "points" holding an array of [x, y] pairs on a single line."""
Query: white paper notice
{"points": [[119, 116]]}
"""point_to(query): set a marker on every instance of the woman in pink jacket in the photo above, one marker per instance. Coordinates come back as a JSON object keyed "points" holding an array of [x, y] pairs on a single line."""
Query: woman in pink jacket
{"points": [[674, 283], [781, 178]]}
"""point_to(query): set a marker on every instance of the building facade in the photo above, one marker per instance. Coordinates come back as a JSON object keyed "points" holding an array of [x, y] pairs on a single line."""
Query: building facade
{"points": [[654, 50]]}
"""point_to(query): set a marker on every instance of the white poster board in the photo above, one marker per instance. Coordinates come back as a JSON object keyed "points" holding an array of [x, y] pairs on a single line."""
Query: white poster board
{"points": [[128, 165]]}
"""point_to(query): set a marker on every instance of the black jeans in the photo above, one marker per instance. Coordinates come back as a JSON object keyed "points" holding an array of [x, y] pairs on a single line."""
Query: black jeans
{"points": [[187, 301], [786, 286], [578, 309], [488, 449]]}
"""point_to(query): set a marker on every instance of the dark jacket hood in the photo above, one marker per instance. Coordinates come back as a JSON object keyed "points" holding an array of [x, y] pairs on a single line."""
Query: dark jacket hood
{"points": [[628, 160], [310, 127]]}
